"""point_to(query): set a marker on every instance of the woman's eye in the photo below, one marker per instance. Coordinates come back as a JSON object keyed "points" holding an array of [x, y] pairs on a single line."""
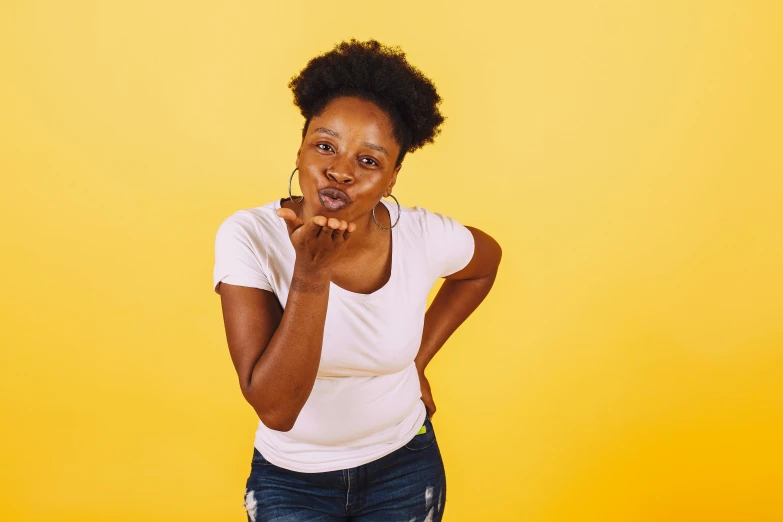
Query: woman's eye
{"points": [[373, 161], [319, 145]]}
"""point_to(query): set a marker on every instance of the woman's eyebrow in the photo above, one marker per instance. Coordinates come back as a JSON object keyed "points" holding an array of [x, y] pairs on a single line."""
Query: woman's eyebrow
{"points": [[324, 130], [330, 132]]}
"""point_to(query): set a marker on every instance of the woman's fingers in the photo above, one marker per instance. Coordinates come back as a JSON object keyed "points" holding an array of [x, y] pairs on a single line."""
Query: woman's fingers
{"points": [[316, 226], [286, 213], [291, 220], [349, 228], [319, 225], [328, 231], [312, 228], [340, 229], [328, 228]]}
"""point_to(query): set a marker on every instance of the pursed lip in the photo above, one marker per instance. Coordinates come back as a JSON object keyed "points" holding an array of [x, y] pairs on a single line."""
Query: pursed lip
{"points": [[335, 194]]}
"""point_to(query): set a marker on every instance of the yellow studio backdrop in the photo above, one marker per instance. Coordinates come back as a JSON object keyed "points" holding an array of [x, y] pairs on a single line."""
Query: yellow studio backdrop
{"points": [[628, 364]]}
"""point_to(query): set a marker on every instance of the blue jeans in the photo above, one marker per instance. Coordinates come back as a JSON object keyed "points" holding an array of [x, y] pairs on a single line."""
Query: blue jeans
{"points": [[407, 485]]}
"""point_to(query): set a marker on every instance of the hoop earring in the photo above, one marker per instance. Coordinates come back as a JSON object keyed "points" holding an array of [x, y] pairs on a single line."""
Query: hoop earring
{"points": [[289, 187], [395, 222]]}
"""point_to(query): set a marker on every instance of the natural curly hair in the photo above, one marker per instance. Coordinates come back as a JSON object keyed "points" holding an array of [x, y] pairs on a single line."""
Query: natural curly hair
{"points": [[377, 73]]}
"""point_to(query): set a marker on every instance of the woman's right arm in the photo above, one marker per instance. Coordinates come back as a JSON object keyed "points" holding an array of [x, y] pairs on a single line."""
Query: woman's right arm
{"points": [[276, 352]]}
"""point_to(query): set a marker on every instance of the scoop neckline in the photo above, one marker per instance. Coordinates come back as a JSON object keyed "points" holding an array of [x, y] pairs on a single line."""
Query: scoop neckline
{"points": [[339, 289]]}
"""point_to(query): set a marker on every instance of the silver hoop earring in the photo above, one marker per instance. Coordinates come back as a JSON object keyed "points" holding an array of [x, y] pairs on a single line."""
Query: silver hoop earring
{"points": [[289, 187], [395, 222]]}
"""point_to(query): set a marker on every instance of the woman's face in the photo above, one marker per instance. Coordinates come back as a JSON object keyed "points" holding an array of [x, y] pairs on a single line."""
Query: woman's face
{"points": [[347, 160]]}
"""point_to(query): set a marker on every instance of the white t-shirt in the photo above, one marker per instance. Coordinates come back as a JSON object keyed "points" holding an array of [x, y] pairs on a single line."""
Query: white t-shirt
{"points": [[366, 401]]}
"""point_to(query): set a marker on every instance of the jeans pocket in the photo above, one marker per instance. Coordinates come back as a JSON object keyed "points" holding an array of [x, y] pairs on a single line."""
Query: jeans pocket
{"points": [[424, 440]]}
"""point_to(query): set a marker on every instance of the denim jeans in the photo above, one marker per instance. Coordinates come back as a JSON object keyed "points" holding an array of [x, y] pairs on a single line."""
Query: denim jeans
{"points": [[407, 485]]}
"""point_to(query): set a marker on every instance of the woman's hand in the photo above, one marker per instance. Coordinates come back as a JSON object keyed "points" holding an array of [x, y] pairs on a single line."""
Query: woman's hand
{"points": [[317, 242], [426, 395]]}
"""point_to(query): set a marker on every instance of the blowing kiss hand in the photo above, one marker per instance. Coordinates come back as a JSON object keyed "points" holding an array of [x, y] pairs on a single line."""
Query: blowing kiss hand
{"points": [[319, 241]]}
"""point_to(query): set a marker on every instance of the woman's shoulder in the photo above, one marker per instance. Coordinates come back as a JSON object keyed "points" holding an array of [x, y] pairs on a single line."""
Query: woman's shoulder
{"points": [[261, 214], [259, 222], [447, 244], [416, 210], [421, 219]]}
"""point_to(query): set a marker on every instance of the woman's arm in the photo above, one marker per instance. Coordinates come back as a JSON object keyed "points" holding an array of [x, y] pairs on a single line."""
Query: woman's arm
{"points": [[276, 352], [458, 297]]}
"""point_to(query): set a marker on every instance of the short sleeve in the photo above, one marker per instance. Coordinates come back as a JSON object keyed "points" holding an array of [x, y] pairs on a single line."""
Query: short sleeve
{"points": [[239, 256], [448, 243]]}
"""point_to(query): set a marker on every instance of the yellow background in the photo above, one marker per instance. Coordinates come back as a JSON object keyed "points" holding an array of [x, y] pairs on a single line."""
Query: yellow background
{"points": [[628, 364]]}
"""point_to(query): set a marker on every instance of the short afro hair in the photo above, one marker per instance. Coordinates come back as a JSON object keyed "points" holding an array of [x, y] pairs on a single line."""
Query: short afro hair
{"points": [[376, 73]]}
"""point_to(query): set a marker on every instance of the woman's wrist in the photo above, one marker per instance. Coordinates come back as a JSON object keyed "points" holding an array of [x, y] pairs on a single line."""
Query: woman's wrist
{"points": [[310, 278]]}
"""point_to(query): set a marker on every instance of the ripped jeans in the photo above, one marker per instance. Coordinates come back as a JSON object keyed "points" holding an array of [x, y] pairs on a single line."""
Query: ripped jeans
{"points": [[407, 485]]}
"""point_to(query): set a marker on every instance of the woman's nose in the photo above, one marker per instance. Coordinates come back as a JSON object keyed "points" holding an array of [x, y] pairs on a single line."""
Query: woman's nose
{"points": [[340, 173]]}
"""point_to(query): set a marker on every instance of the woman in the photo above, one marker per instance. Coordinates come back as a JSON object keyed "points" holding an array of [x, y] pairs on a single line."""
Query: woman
{"points": [[324, 303]]}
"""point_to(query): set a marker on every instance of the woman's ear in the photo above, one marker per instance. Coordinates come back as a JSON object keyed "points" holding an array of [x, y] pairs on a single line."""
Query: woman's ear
{"points": [[393, 180]]}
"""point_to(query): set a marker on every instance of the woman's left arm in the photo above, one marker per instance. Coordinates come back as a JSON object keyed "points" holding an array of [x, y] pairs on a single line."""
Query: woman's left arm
{"points": [[458, 297]]}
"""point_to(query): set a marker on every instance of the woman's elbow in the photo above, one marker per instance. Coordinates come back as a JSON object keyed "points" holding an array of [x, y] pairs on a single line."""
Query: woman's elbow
{"points": [[277, 423], [498, 253], [274, 417], [493, 254]]}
